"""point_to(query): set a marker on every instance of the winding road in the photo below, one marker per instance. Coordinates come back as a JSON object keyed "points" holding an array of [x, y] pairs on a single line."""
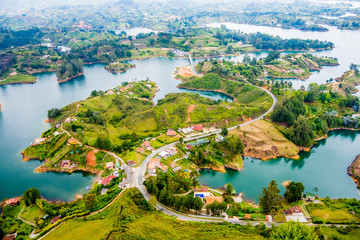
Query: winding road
{"points": [[138, 177]]}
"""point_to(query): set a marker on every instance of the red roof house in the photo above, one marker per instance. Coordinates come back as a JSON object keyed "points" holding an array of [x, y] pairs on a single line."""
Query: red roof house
{"points": [[198, 127], [12, 201], [55, 219], [107, 180], [170, 133]]}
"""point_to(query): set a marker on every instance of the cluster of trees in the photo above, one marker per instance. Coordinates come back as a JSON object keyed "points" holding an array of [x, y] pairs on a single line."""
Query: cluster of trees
{"points": [[20, 38], [270, 199], [210, 81], [272, 56], [53, 113], [165, 186], [31, 195], [94, 117], [70, 68], [269, 42]]}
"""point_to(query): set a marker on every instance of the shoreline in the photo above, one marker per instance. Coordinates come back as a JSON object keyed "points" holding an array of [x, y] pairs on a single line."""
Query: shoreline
{"points": [[350, 171], [70, 78], [20, 82], [206, 90]]}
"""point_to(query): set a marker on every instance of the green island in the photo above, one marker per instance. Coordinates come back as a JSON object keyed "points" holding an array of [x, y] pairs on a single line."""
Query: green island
{"points": [[119, 67], [56, 51]]}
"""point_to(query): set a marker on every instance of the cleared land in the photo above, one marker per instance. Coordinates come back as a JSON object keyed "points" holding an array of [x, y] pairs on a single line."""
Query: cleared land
{"points": [[264, 141]]}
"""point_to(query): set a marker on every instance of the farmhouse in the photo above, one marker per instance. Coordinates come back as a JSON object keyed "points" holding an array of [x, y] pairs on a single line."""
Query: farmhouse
{"points": [[110, 165], [170, 133], [295, 214], [211, 199], [38, 141]]}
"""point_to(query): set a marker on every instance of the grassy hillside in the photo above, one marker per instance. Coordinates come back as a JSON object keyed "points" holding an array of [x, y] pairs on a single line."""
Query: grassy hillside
{"points": [[130, 218], [245, 95], [263, 140]]}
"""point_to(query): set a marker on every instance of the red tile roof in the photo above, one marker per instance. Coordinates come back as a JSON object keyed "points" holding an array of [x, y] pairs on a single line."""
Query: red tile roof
{"points": [[107, 180], [198, 127], [55, 219], [170, 133]]}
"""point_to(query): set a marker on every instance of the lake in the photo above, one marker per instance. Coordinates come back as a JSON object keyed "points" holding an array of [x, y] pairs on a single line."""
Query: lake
{"points": [[324, 167], [24, 110]]}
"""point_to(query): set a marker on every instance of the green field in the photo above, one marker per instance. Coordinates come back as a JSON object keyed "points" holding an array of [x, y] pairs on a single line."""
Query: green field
{"points": [[18, 78], [32, 212], [129, 218]]}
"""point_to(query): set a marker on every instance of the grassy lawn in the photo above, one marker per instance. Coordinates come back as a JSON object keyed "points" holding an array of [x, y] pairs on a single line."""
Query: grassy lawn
{"points": [[135, 156], [32, 212], [331, 216], [18, 78], [79, 229]]}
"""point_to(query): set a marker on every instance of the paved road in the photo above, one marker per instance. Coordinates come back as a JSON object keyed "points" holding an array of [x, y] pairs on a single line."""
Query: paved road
{"points": [[139, 173]]}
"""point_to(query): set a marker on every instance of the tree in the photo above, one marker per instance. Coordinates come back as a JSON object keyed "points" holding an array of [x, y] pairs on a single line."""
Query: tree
{"points": [[198, 204], [303, 134], [270, 198], [229, 189], [224, 131], [293, 230], [294, 191], [53, 113], [193, 176], [90, 201], [272, 56], [235, 145], [31, 195]]}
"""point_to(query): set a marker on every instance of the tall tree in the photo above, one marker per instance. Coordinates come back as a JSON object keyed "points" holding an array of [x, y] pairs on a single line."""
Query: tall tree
{"points": [[270, 198], [294, 191], [31, 195]]}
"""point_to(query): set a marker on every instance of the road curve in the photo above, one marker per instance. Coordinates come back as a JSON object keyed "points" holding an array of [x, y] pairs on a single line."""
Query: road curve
{"points": [[139, 177]]}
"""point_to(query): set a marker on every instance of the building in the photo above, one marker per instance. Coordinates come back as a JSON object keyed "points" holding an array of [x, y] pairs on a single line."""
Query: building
{"points": [[295, 214], [186, 130], [219, 138], [110, 165], [310, 197], [13, 201], [91, 159], [65, 164], [146, 144], [176, 169], [197, 128], [104, 191], [211, 199], [72, 141], [110, 92], [39, 141], [117, 165], [202, 193], [55, 219], [131, 163], [10, 236], [188, 147], [140, 150], [107, 180], [269, 218], [170, 133]]}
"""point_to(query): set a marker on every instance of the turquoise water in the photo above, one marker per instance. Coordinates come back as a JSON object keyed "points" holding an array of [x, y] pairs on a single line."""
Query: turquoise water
{"points": [[324, 167], [25, 109]]}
